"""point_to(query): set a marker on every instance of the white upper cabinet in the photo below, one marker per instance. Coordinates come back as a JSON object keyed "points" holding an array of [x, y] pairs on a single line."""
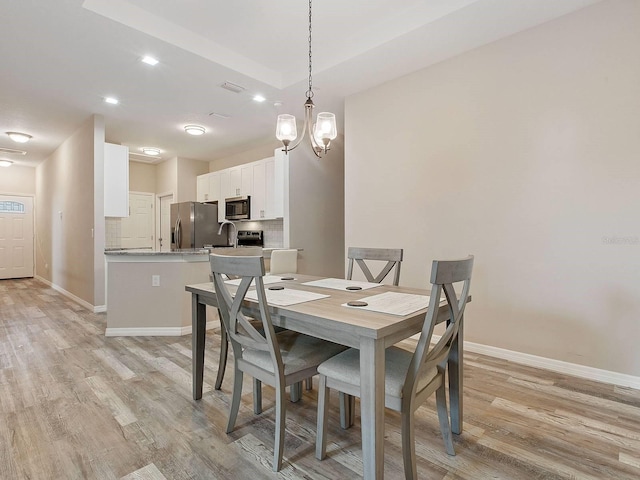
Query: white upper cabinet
{"points": [[116, 180], [264, 181], [259, 195], [208, 187]]}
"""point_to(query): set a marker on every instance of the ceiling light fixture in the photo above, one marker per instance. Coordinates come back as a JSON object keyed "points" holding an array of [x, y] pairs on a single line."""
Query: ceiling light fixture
{"points": [[149, 60], [258, 98], [5, 163], [111, 100], [194, 129], [19, 137], [151, 151], [320, 133]]}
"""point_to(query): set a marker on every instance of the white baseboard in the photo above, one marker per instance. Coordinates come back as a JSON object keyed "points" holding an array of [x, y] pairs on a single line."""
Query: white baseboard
{"points": [[99, 309], [70, 295], [582, 371], [152, 331]]}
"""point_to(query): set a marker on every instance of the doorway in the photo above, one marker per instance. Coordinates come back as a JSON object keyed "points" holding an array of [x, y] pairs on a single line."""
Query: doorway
{"points": [[16, 237], [163, 233], [137, 228]]}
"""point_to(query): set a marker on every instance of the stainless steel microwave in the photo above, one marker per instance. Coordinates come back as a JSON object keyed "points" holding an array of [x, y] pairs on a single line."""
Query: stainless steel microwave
{"points": [[237, 208]]}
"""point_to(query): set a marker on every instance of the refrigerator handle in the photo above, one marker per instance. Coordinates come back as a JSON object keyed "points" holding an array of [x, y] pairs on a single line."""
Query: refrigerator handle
{"points": [[178, 234]]}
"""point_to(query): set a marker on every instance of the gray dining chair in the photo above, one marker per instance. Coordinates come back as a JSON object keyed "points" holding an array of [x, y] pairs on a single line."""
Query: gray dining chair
{"points": [[410, 378], [278, 360], [360, 256]]}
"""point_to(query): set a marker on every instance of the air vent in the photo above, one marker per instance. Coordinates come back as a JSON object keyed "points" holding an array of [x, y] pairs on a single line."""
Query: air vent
{"points": [[219, 115], [232, 87], [11, 150]]}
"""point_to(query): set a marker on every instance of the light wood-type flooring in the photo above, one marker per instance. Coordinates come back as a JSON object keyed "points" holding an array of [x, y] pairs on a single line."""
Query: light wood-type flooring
{"points": [[77, 405]]}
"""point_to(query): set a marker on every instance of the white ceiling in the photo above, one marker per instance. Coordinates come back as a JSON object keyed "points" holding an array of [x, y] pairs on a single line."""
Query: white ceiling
{"points": [[60, 58]]}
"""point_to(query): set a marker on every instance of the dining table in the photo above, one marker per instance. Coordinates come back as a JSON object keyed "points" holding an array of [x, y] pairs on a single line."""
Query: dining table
{"points": [[330, 318]]}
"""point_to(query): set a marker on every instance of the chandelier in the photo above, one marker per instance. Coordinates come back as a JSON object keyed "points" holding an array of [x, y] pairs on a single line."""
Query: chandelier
{"points": [[320, 133]]}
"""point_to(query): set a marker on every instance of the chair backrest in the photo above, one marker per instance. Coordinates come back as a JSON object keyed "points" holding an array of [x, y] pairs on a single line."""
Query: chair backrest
{"points": [[241, 331], [393, 257], [284, 261], [444, 273]]}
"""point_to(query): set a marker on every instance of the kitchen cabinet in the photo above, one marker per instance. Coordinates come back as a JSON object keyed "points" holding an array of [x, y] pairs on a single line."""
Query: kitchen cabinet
{"points": [[208, 187], [259, 209], [241, 180], [116, 180], [267, 200]]}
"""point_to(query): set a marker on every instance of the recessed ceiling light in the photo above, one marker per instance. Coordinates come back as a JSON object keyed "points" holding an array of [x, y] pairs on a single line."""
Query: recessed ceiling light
{"points": [[19, 137], [149, 60], [258, 98], [151, 151], [5, 163], [111, 100], [194, 129]]}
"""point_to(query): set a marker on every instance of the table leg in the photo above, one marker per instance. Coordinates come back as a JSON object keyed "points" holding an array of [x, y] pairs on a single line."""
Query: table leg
{"points": [[198, 329], [455, 380], [372, 366]]}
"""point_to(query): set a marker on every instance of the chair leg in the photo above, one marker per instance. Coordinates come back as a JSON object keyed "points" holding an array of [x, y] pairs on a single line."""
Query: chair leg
{"points": [[443, 416], [408, 444], [281, 412], [323, 411], [347, 410], [224, 349], [235, 398], [257, 396], [295, 392], [308, 382]]}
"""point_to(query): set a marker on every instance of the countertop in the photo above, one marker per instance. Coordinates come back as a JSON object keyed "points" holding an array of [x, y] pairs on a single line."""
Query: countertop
{"points": [[186, 251]]}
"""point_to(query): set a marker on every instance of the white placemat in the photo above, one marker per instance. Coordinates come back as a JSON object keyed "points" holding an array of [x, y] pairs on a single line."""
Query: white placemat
{"points": [[286, 296], [340, 284], [267, 279], [394, 303]]}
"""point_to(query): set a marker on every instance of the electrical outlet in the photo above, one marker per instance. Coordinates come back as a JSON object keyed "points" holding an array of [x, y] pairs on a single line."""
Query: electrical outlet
{"points": [[155, 280]]}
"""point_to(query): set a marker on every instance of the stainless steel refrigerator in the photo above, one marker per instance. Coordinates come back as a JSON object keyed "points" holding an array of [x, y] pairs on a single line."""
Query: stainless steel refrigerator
{"points": [[194, 225]]}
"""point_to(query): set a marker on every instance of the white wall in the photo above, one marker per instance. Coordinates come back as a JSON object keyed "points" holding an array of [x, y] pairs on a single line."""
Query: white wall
{"points": [[525, 153], [67, 255], [18, 179]]}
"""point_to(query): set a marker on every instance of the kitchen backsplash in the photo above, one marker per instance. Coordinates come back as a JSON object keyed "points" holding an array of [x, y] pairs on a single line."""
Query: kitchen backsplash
{"points": [[113, 232], [273, 231]]}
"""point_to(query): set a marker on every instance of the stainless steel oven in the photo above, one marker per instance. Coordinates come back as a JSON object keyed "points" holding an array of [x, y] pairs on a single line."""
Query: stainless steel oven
{"points": [[237, 208]]}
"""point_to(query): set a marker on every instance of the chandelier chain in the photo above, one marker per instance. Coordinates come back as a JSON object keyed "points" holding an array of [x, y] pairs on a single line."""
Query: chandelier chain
{"points": [[310, 91]]}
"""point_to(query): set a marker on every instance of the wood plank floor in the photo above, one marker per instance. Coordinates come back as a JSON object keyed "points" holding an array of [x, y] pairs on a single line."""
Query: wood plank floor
{"points": [[77, 405]]}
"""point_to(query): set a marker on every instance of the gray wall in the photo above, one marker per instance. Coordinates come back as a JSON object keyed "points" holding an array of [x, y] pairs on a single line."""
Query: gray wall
{"points": [[524, 152]]}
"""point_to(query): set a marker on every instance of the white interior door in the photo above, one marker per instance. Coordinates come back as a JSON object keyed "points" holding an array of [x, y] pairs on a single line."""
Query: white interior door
{"points": [[137, 228], [16, 237], [164, 227]]}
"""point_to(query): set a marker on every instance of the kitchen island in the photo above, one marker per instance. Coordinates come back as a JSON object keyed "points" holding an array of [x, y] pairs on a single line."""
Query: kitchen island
{"points": [[145, 290]]}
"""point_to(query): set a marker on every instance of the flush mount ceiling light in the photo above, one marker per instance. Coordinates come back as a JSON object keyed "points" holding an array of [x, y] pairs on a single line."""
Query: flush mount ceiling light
{"points": [[151, 151], [258, 98], [111, 100], [320, 133], [149, 60], [19, 137], [5, 163], [194, 129]]}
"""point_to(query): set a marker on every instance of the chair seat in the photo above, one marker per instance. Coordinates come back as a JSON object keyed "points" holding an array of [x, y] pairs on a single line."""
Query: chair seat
{"points": [[345, 367], [298, 351]]}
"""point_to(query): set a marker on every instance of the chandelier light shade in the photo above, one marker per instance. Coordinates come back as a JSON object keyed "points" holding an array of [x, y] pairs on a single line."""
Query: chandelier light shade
{"points": [[320, 133], [19, 137]]}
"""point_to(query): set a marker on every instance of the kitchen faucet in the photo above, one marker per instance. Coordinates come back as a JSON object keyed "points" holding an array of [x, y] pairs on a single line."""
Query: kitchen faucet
{"points": [[234, 238]]}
